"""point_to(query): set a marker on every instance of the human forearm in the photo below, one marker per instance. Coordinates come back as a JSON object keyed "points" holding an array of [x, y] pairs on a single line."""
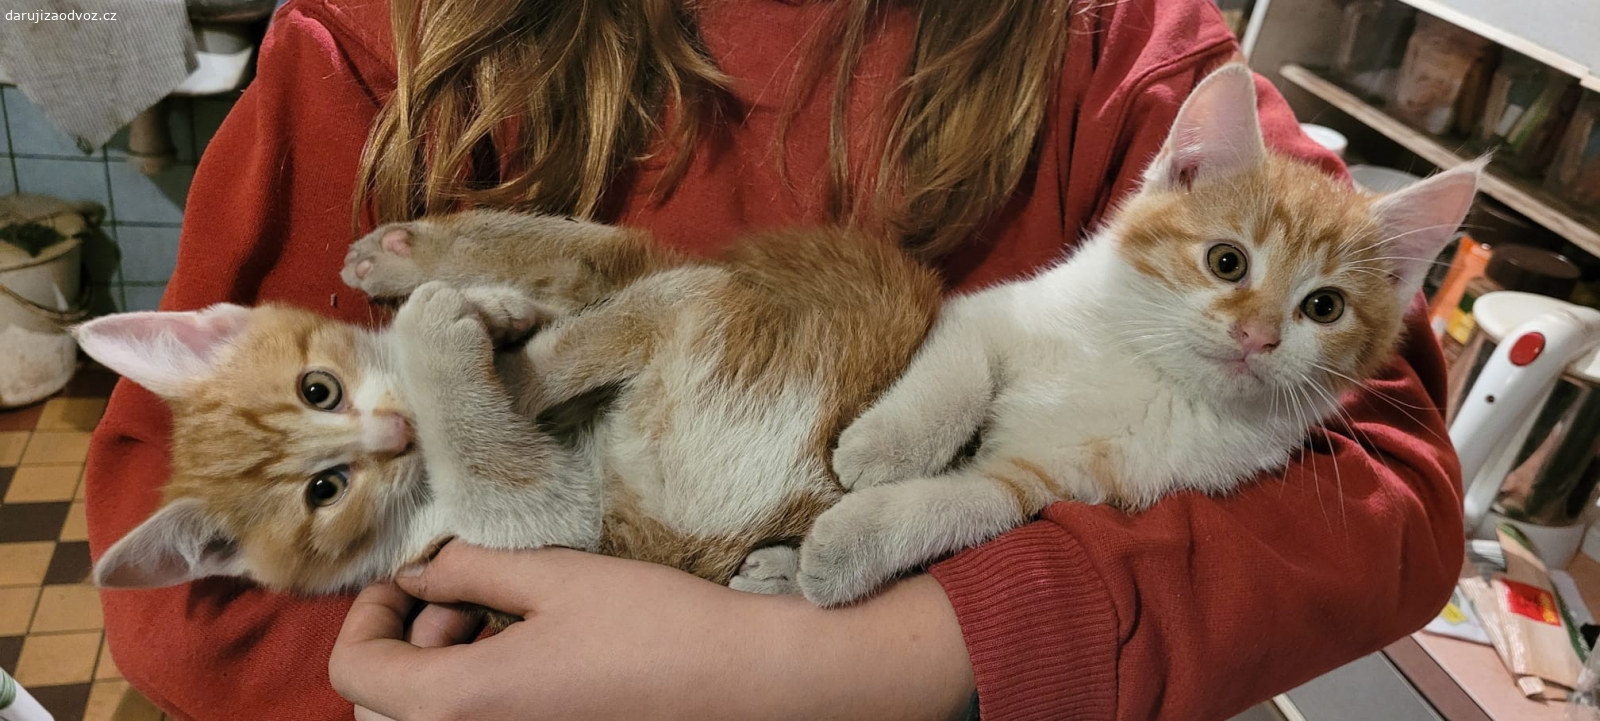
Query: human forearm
{"points": [[899, 655], [610, 638]]}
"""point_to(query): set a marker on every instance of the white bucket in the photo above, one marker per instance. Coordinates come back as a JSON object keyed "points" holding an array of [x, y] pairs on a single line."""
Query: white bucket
{"points": [[40, 295]]}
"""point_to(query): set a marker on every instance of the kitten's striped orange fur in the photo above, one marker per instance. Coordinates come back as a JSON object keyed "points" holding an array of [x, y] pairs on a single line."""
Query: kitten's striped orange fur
{"points": [[732, 379]]}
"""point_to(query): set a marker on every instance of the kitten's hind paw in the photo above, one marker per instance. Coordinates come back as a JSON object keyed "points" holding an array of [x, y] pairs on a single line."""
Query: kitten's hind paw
{"points": [[847, 556], [770, 570], [380, 264], [509, 314]]}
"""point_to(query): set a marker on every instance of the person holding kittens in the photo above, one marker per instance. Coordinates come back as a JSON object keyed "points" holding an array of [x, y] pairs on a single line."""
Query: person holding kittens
{"points": [[985, 137]]}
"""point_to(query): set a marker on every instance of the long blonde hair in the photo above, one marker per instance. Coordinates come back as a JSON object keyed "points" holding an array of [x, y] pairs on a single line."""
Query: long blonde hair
{"points": [[551, 99]]}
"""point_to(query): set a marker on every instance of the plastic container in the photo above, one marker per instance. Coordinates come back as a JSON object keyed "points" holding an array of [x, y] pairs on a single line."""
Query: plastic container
{"points": [[1372, 44], [1378, 179], [1326, 137], [40, 294], [1526, 110], [1470, 260], [1511, 267], [1575, 170], [1443, 77], [16, 704]]}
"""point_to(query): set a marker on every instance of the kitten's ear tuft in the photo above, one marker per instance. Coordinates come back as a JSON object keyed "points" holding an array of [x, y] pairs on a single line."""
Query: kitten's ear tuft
{"points": [[166, 352], [1216, 134], [180, 543], [1418, 221]]}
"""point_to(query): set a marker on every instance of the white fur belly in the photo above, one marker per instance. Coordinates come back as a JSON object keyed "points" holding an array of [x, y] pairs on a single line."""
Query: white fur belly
{"points": [[1156, 441], [706, 459]]}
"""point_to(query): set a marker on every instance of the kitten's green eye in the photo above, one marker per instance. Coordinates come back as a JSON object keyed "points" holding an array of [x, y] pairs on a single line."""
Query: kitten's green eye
{"points": [[321, 390], [327, 487], [1227, 262], [1323, 306]]}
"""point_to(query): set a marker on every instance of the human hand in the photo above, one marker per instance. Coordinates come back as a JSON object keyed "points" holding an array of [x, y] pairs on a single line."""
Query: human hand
{"points": [[612, 638]]}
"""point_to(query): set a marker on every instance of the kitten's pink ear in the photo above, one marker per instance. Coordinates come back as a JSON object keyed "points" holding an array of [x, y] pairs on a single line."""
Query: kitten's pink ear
{"points": [[1216, 134], [180, 543], [1418, 221], [164, 352]]}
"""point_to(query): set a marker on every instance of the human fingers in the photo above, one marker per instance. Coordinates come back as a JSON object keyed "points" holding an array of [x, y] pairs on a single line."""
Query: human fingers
{"points": [[372, 667], [501, 580], [439, 625]]}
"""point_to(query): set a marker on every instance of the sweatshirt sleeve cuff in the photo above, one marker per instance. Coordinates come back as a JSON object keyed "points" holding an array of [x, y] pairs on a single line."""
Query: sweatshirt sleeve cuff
{"points": [[1040, 626]]}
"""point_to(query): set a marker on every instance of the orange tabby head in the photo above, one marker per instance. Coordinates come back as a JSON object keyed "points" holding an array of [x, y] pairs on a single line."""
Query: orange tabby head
{"points": [[1255, 274], [292, 454]]}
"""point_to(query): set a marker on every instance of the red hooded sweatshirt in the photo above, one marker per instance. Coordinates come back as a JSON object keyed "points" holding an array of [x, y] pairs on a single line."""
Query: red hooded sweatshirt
{"points": [[1194, 609]]}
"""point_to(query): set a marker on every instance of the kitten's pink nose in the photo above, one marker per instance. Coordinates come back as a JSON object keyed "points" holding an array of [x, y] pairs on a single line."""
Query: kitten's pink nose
{"points": [[386, 432], [1255, 337]]}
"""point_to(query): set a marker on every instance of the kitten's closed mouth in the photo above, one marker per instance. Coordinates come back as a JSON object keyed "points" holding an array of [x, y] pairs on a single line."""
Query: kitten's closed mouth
{"points": [[1236, 365]]}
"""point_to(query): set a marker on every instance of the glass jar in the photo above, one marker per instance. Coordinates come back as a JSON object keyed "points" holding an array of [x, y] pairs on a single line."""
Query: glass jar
{"points": [[1527, 108], [1575, 171], [1372, 43], [1442, 77]]}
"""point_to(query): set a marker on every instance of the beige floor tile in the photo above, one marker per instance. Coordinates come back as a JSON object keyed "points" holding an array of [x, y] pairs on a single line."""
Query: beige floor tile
{"points": [[37, 484], [71, 414], [57, 447], [76, 527], [135, 707], [115, 701], [73, 607], [24, 564], [16, 608], [107, 668], [104, 697], [58, 658], [81, 486], [11, 445]]}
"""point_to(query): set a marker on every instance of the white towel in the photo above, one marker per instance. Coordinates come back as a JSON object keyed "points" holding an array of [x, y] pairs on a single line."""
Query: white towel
{"points": [[92, 65]]}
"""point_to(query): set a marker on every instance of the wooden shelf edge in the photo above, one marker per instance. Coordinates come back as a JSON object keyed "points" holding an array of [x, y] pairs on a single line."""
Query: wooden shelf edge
{"points": [[1520, 195]]}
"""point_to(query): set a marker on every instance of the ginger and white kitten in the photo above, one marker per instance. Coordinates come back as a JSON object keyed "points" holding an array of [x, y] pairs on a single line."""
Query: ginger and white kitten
{"points": [[315, 456], [1189, 344]]}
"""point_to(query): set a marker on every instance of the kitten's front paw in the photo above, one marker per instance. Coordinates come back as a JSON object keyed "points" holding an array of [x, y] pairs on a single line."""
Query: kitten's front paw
{"points": [[444, 332], [870, 454], [381, 265], [847, 554], [770, 570], [510, 314]]}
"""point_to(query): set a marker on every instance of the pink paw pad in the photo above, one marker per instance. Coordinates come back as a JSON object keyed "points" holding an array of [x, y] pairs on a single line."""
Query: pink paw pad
{"points": [[396, 242]]}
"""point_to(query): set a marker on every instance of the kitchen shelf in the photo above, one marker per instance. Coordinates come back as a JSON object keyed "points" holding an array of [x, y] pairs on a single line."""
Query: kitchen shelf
{"points": [[1524, 196], [1558, 33]]}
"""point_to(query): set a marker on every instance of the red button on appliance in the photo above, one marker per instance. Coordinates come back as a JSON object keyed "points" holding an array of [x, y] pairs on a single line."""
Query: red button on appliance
{"points": [[1527, 348]]}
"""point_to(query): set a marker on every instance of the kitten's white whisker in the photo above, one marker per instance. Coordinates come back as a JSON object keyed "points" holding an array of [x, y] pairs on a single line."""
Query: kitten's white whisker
{"points": [[1379, 274], [1338, 475], [1413, 231], [1369, 262], [1399, 406], [1368, 388], [1308, 458], [1156, 349]]}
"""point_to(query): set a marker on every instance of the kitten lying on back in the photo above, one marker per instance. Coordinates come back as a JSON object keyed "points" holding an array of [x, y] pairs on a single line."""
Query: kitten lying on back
{"points": [[315, 456], [1190, 344]]}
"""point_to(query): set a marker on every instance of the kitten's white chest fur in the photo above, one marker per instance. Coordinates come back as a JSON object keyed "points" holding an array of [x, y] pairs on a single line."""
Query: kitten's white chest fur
{"points": [[1064, 378]]}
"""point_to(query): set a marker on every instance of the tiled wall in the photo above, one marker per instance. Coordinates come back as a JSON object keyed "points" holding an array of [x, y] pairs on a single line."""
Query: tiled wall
{"points": [[143, 214]]}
